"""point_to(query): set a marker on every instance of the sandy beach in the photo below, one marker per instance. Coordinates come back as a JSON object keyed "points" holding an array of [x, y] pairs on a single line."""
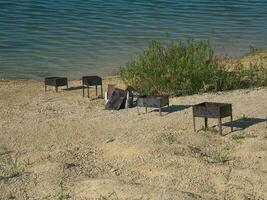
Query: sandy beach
{"points": [[63, 146], [59, 145]]}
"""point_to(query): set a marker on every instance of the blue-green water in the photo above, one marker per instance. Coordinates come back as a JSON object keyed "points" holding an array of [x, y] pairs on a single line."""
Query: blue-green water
{"points": [[76, 37]]}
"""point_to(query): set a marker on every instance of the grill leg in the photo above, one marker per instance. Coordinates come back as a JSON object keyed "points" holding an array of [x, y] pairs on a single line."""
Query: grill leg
{"points": [[67, 86], [232, 128], [45, 88], [220, 125], [88, 91], [83, 90], [194, 123], [96, 90], [101, 91], [56, 89], [206, 122], [146, 109], [160, 111]]}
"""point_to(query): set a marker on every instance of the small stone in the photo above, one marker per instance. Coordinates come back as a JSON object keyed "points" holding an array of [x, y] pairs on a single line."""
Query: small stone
{"points": [[114, 169], [110, 140]]}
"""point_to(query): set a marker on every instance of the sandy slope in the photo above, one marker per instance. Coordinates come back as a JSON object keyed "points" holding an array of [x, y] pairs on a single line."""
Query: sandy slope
{"points": [[63, 146]]}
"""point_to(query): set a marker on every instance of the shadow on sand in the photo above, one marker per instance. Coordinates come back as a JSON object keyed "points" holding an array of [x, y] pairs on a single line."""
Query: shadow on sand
{"points": [[74, 88], [244, 123], [175, 108], [171, 109]]}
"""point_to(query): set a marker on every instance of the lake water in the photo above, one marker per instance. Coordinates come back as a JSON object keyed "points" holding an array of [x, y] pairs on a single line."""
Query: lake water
{"points": [[76, 37]]}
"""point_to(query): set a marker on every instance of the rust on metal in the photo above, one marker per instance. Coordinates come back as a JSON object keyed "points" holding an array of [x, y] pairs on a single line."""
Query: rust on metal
{"points": [[56, 82], [212, 110], [117, 99], [88, 81], [153, 102]]}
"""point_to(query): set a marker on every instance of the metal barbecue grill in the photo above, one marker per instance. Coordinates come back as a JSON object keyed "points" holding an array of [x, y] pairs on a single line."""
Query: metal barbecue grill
{"points": [[88, 81], [212, 110], [56, 82]]}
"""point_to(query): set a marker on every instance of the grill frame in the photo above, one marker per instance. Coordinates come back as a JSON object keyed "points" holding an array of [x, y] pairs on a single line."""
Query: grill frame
{"points": [[212, 110], [88, 81], [153, 102], [56, 82]]}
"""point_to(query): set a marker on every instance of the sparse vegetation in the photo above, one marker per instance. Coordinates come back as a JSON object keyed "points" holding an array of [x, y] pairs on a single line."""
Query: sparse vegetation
{"points": [[5, 179], [242, 136], [187, 68], [8, 166], [169, 138], [238, 137], [221, 159], [62, 194], [10, 172], [210, 129], [210, 158], [112, 195]]}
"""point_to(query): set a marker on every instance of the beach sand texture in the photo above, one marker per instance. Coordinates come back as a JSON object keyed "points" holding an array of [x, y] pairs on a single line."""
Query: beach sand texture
{"points": [[63, 146]]}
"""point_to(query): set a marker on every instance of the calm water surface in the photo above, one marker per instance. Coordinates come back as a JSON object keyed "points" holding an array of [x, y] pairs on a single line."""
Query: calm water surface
{"points": [[76, 37]]}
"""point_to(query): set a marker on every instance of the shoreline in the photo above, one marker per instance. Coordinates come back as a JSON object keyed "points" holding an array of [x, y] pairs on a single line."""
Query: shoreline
{"points": [[250, 57], [114, 77], [113, 74]]}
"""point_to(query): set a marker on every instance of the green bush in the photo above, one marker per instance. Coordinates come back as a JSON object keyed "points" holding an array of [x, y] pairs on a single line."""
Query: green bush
{"points": [[185, 68], [255, 75]]}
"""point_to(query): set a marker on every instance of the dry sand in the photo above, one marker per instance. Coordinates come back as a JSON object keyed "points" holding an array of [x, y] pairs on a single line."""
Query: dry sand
{"points": [[63, 146]]}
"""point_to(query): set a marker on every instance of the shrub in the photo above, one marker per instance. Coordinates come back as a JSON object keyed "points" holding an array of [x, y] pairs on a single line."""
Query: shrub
{"points": [[254, 75], [186, 68]]}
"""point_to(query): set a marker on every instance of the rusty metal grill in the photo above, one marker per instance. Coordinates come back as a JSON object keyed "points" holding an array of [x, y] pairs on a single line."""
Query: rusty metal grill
{"points": [[88, 81], [56, 82], [153, 102], [212, 110]]}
